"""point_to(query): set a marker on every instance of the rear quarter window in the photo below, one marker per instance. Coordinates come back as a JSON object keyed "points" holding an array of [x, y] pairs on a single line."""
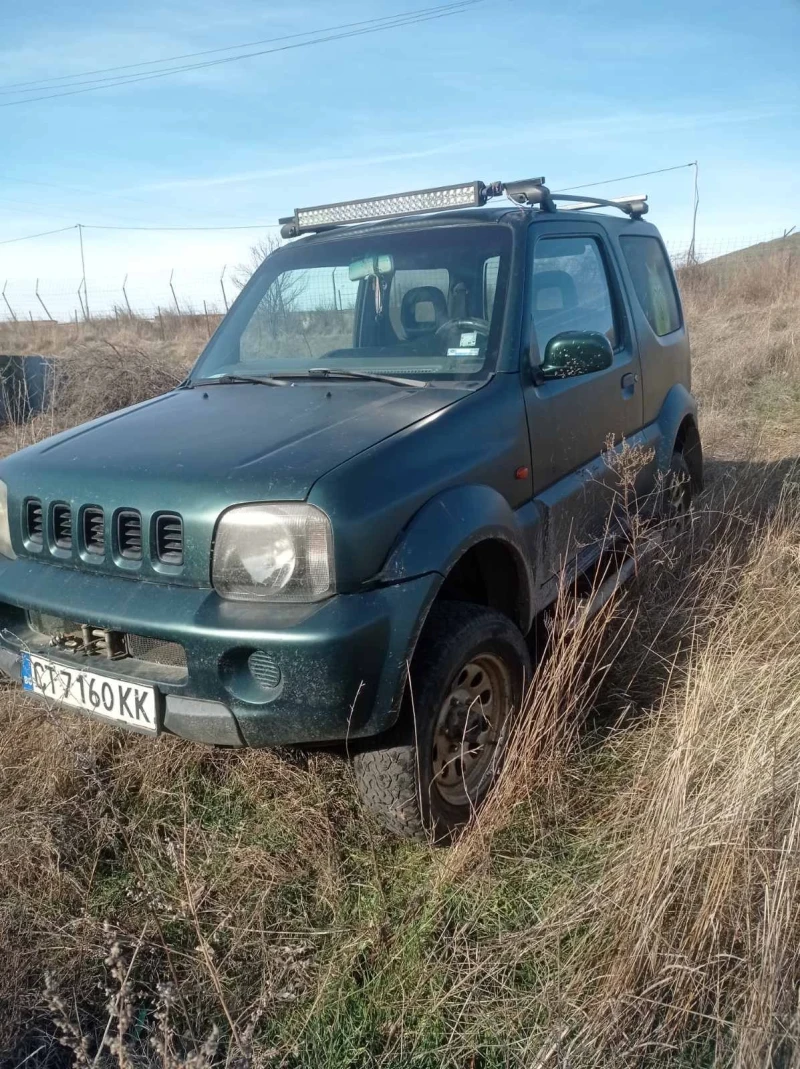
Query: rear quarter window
{"points": [[653, 282]]}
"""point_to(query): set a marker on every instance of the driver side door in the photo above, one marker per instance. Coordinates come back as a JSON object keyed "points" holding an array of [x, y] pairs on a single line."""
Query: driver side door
{"points": [[572, 285]]}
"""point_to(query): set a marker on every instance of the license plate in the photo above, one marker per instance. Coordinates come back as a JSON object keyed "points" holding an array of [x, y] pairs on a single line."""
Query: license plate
{"points": [[117, 700]]}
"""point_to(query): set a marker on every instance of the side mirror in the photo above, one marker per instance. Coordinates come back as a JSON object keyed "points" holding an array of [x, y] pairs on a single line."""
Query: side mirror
{"points": [[575, 352]]}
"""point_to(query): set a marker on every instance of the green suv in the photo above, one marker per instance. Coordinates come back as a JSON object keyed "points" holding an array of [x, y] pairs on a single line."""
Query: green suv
{"points": [[345, 522]]}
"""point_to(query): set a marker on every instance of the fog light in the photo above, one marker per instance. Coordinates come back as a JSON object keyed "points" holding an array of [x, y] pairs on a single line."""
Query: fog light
{"points": [[264, 669]]}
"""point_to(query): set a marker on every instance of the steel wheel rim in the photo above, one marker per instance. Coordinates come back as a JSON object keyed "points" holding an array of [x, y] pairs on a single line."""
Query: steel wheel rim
{"points": [[470, 729], [678, 501]]}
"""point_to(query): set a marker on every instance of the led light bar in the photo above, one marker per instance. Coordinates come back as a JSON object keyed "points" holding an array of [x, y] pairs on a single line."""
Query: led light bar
{"points": [[531, 192], [466, 195]]}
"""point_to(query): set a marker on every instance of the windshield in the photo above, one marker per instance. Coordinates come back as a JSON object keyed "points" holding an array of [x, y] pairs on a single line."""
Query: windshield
{"points": [[427, 304]]}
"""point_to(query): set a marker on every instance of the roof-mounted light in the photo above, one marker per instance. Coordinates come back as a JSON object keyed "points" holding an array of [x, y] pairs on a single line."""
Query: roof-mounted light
{"points": [[466, 195], [531, 192]]}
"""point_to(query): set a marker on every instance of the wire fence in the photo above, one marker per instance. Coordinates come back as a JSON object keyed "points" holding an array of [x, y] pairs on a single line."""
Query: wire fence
{"points": [[208, 293], [146, 296]]}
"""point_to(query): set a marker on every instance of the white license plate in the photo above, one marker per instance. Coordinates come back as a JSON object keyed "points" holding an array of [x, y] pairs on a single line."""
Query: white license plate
{"points": [[120, 701]]}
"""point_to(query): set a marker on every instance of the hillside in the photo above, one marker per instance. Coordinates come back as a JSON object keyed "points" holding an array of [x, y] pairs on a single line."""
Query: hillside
{"points": [[629, 896], [762, 250]]}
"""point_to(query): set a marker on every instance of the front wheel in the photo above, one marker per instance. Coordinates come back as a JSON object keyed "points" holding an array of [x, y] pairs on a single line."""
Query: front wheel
{"points": [[677, 494], [467, 681]]}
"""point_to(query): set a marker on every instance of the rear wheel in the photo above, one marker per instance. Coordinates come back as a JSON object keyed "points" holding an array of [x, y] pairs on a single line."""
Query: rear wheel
{"points": [[467, 681]]}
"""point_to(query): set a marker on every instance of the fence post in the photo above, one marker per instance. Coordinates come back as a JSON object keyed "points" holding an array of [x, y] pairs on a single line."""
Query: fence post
{"points": [[125, 295], [691, 256], [83, 269], [222, 286], [41, 302], [8, 306], [208, 323], [175, 299]]}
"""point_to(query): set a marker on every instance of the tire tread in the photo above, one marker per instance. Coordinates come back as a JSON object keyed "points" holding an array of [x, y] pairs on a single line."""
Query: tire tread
{"points": [[387, 775]]}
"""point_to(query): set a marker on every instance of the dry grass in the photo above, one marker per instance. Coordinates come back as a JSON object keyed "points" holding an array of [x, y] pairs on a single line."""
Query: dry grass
{"points": [[101, 366], [168, 337], [746, 340], [629, 896]]}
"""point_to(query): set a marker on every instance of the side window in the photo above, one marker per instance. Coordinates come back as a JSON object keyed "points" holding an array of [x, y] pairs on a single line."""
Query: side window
{"points": [[653, 282], [570, 290], [418, 300]]}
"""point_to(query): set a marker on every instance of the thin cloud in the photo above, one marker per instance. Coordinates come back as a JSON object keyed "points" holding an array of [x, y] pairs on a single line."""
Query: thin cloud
{"points": [[482, 137]]}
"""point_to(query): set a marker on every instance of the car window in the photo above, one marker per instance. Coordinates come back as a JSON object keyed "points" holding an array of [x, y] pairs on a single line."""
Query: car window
{"points": [[409, 302], [329, 292], [570, 290], [652, 281]]}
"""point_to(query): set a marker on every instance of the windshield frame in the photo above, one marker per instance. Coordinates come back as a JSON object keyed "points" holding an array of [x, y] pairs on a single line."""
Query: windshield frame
{"points": [[299, 254]]}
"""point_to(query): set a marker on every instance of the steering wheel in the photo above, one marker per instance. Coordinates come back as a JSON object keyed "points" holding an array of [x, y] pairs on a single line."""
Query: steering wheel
{"points": [[481, 326]]}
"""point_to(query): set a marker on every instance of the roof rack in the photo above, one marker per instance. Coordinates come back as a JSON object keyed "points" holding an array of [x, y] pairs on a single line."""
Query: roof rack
{"points": [[533, 191], [635, 204], [530, 191], [621, 202]]}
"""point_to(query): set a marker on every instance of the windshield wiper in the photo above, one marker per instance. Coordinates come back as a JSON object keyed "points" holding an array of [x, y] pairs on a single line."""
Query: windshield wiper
{"points": [[224, 380], [370, 376]]}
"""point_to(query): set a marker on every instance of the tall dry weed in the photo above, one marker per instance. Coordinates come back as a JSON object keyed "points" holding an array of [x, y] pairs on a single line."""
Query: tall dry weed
{"points": [[694, 920]]}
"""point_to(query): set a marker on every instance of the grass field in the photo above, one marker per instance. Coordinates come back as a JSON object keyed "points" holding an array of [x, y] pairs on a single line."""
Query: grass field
{"points": [[629, 897]]}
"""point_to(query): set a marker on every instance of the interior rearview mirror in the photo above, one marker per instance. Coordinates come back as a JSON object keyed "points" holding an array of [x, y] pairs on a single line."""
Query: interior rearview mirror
{"points": [[575, 352], [371, 267]]}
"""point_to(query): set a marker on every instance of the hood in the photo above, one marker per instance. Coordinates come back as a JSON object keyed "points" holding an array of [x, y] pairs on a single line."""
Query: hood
{"points": [[197, 451], [247, 442]]}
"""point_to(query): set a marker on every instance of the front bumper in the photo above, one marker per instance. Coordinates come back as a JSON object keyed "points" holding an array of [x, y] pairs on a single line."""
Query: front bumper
{"points": [[341, 663]]}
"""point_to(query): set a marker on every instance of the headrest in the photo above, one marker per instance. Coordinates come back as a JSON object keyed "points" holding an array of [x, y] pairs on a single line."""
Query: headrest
{"points": [[554, 291], [423, 310]]}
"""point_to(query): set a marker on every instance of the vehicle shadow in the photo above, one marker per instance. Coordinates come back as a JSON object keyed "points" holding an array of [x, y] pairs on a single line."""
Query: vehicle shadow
{"points": [[673, 605]]}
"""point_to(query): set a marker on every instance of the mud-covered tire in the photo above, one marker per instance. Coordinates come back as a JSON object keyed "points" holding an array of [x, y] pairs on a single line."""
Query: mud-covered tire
{"points": [[396, 781], [387, 785]]}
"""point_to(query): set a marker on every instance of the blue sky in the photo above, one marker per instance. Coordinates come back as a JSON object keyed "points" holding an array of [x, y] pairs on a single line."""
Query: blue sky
{"points": [[580, 93]]}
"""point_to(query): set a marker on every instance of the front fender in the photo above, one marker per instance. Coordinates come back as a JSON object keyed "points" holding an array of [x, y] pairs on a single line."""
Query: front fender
{"points": [[451, 523]]}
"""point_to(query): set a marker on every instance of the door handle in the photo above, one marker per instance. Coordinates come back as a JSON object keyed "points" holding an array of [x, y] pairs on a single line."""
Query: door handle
{"points": [[628, 385]]}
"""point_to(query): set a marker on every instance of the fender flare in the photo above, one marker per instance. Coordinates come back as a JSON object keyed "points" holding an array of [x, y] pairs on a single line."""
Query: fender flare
{"points": [[454, 521], [678, 405]]}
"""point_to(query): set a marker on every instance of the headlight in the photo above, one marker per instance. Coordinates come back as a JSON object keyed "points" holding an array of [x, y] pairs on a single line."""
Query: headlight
{"points": [[5, 530], [274, 553]]}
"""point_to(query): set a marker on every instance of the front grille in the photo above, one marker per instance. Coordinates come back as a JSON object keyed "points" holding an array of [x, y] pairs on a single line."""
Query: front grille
{"points": [[34, 521], [74, 637], [93, 529], [169, 538], [129, 534], [264, 669], [156, 651], [62, 526], [58, 526]]}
